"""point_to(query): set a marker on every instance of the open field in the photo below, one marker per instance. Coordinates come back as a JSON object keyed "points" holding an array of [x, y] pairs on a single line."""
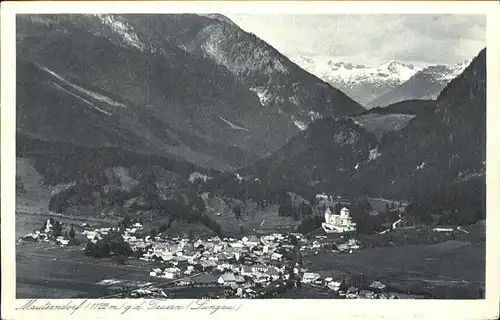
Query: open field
{"points": [[307, 291], [449, 269], [379, 124], [45, 271], [49, 271], [422, 235]]}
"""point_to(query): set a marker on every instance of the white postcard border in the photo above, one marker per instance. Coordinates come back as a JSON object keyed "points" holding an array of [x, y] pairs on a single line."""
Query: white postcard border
{"points": [[258, 309]]}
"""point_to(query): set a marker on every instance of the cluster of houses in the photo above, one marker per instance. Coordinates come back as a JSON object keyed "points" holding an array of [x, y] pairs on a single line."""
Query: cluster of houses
{"points": [[349, 286], [322, 243], [97, 234], [45, 235], [245, 265], [38, 236]]}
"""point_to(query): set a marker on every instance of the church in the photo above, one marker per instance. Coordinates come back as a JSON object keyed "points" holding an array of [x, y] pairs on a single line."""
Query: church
{"points": [[338, 223]]}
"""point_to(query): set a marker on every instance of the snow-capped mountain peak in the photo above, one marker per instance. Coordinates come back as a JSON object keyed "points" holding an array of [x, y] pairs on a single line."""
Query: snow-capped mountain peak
{"points": [[425, 84], [334, 70], [455, 70], [366, 83], [361, 82], [398, 69]]}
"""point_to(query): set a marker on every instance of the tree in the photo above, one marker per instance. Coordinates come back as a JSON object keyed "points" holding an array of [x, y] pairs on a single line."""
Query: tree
{"points": [[153, 233], [121, 259], [237, 211], [127, 221], [121, 227], [57, 228], [118, 197], [338, 207], [286, 208], [112, 243], [312, 201], [162, 228], [72, 232], [305, 210], [199, 204], [56, 203]]}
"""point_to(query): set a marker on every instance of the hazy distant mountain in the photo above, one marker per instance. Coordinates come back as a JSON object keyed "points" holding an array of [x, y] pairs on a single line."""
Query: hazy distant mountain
{"points": [[425, 84], [386, 84], [194, 86], [362, 83]]}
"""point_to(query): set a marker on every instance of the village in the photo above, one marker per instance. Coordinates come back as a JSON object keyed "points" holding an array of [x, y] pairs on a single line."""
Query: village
{"points": [[250, 266]]}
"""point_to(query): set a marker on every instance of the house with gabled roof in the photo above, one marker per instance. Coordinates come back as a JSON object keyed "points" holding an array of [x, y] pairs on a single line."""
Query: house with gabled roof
{"points": [[227, 279], [245, 270], [206, 280], [239, 279], [272, 273]]}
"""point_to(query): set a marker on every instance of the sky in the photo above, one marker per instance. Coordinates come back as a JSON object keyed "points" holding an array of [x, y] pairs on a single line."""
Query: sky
{"points": [[372, 39]]}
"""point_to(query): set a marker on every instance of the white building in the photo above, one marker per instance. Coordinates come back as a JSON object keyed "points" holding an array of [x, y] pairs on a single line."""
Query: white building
{"points": [[310, 277], [276, 256], [337, 223], [251, 241], [227, 279], [259, 268]]}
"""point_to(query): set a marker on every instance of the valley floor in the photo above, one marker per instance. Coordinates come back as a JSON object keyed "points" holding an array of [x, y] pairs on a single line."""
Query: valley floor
{"points": [[450, 269]]}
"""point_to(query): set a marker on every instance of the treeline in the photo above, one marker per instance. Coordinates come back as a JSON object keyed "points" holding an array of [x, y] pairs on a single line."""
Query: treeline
{"points": [[112, 244], [310, 224], [228, 185], [288, 209], [185, 206], [61, 162], [461, 203], [365, 222], [193, 212]]}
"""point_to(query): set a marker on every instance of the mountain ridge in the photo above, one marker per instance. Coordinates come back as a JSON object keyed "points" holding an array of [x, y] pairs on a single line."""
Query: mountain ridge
{"points": [[444, 141], [141, 61]]}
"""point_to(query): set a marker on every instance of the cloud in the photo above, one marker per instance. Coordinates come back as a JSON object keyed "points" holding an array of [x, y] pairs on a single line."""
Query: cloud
{"points": [[372, 39]]}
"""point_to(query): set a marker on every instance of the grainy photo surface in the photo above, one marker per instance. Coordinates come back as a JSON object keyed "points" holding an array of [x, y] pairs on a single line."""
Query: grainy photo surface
{"points": [[333, 156]]}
